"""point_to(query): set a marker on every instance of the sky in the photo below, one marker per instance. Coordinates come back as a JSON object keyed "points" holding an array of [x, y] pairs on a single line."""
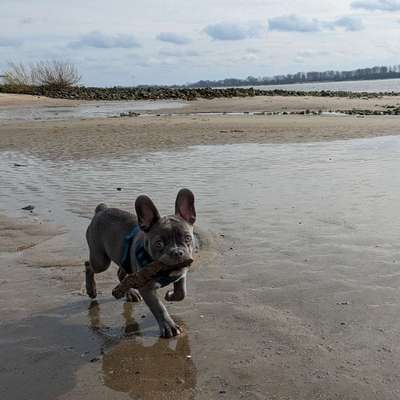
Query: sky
{"points": [[131, 42]]}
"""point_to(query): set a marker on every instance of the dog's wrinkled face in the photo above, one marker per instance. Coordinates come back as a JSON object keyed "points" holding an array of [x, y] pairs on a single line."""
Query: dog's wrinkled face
{"points": [[168, 239]]}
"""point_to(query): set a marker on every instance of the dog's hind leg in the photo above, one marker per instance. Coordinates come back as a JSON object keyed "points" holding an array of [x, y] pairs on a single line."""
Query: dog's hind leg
{"points": [[95, 265], [90, 281], [132, 296]]}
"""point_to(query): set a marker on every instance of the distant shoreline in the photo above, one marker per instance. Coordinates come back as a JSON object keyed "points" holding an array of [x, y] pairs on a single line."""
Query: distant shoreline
{"points": [[376, 72], [296, 82]]}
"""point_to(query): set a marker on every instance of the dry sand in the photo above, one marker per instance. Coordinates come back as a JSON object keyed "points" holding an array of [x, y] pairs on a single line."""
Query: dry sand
{"points": [[25, 100], [310, 322], [178, 127], [288, 103]]}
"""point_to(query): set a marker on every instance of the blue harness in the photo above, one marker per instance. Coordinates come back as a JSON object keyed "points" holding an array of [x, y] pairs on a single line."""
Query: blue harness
{"points": [[142, 258]]}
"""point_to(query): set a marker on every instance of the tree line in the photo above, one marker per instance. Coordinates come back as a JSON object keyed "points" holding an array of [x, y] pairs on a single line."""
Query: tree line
{"points": [[378, 72]]}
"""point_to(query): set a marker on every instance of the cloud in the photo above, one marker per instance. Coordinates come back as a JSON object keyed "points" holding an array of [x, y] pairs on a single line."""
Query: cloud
{"points": [[294, 23], [305, 55], [230, 31], [377, 5], [178, 53], [103, 41], [26, 21], [252, 50], [174, 38], [312, 53], [9, 42], [351, 24]]}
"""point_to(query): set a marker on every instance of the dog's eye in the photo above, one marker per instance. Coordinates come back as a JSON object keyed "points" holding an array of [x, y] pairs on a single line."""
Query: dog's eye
{"points": [[188, 238], [159, 244]]}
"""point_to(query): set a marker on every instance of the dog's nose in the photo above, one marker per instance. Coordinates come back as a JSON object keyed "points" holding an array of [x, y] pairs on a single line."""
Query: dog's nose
{"points": [[177, 252]]}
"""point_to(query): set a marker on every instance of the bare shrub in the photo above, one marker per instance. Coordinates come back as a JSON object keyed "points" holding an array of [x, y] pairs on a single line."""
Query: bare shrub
{"points": [[18, 76], [51, 74], [55, 74]]}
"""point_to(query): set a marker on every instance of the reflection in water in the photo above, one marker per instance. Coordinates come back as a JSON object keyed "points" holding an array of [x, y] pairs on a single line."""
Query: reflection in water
{"points": [[144, 366]]}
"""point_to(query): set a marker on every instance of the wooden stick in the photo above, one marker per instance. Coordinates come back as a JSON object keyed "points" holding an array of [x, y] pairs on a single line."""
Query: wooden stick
{"points": [[141, 278]]}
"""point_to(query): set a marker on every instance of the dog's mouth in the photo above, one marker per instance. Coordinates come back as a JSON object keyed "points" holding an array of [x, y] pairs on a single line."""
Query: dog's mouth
{"points": [[171, 261]]}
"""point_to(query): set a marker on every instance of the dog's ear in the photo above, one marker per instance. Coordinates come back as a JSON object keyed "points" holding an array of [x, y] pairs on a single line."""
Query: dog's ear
{"points": [[146, 212], [184, 206]]}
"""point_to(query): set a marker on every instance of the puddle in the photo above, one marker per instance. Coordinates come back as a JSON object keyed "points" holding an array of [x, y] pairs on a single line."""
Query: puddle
{"points": [[94, 109]]}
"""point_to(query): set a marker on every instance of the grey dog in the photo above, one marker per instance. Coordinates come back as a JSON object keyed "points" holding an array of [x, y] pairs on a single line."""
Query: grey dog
{"points": [[131, 242]]}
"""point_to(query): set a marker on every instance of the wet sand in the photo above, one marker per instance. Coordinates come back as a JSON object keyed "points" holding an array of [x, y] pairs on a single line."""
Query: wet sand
{"points": [[116, 136], [294, 294]]}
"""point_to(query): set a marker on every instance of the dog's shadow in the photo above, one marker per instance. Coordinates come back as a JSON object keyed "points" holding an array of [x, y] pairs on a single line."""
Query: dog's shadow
{"points": [[141, 364]]}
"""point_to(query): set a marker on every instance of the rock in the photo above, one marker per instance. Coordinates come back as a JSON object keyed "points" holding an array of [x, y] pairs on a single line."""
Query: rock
{"points": [[187, 94]]}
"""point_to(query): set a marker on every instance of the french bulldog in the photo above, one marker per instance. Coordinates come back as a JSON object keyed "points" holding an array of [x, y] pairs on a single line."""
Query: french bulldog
{"points": [[167, 239]]}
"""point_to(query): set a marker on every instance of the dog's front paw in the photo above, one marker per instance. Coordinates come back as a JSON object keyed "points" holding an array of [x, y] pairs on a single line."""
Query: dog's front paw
{"points": [[169, 329], [171, 295], [133, 296]]}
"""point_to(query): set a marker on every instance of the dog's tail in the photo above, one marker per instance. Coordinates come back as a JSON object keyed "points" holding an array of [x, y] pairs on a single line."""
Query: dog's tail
{"points": [[100, 207]]}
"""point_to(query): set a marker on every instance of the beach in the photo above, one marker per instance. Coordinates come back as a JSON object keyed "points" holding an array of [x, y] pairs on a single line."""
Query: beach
{"points": [[294, 292]]}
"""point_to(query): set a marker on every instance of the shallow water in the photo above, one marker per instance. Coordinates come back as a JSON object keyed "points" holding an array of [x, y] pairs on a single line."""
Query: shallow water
{"points": [[246, 180], [262, 188], [306, 227], [380, 85], [93, 109]]}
